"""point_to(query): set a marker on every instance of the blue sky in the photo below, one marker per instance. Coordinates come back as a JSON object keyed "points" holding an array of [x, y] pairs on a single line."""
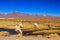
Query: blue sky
{"points": [[50, 7]]}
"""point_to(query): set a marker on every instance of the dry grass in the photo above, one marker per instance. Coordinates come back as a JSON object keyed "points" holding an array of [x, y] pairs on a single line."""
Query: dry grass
{"points": [[43, 24], [4, 33]]}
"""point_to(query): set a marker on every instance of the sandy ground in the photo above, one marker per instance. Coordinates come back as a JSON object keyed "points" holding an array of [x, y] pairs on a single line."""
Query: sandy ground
{"points": [[27, 38]]}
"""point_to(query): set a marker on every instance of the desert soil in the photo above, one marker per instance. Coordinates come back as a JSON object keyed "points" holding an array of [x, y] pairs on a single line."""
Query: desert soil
{"points": [[27, 38]]}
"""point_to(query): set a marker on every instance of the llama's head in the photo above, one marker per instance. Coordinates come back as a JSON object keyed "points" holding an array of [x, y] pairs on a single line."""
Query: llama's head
{"points": [[21, 25]]}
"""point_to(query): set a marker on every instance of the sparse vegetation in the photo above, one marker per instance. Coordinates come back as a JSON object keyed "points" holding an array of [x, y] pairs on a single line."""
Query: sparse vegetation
{"points": [[4, 33], [28, 26]]}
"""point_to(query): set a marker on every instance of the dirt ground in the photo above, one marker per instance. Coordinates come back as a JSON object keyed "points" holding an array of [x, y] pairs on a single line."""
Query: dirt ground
{"points": [[27, 38]]}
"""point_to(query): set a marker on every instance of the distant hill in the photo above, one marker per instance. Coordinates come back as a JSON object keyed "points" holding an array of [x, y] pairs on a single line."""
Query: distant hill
{"points": [[23, 15], [17, 16]]}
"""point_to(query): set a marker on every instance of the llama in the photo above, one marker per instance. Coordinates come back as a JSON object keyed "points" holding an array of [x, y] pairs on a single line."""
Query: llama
{"points": [[18, 28], [36, 25]]}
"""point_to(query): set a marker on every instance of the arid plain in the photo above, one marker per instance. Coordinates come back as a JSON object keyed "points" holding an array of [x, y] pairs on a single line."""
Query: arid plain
{"points": [[49, 28]]}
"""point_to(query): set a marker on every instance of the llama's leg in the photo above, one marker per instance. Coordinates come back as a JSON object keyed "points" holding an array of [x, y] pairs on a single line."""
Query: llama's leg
{"points": [[20, 31], [16, 30]]}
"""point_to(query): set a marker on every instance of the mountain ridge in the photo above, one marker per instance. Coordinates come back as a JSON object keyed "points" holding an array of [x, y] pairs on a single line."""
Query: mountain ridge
{"points": [[24, 15]]}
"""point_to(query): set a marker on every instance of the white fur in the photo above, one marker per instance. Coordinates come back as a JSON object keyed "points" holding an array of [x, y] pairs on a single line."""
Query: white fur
{"points": [[18, 28], [36, 25]]}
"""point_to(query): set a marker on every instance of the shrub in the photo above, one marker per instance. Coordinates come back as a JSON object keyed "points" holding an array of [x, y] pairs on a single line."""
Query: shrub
{"points": [[54, 36], [4, 33]]}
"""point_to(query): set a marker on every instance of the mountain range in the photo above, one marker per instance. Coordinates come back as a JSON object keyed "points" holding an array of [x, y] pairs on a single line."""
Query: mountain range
{"points": [[24, 15]]}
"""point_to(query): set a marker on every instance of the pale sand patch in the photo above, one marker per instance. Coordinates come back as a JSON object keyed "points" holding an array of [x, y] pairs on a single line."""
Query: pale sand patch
{"points": [[27, 38]]}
